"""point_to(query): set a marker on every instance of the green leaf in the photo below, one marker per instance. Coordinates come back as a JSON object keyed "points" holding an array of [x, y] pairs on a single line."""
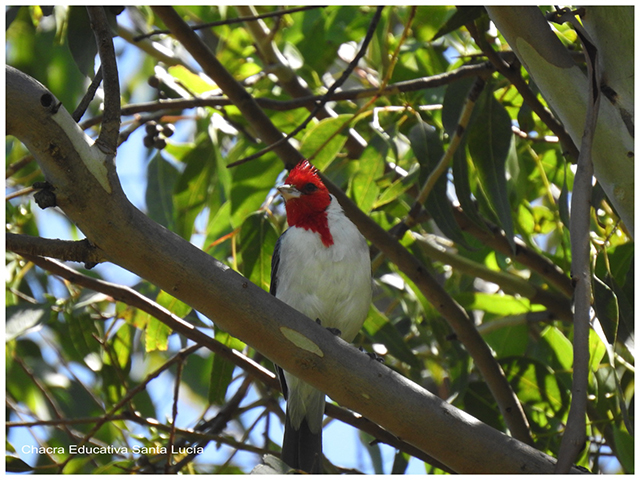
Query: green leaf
{"points": [[489, 138], [156, 335], [496, 304], [555, 350], [193, 82], [363, 184], [536, 384], [624, 449], [597, 350], [478, 402], [428, 149], [379, 329], [258, 239], [461, 17], [172, 304], [161, 179], [397, 188], [329, 136], [455, 97], [194, 185], [81, 40], [222, 369], [508, 341], [21, 319], [525, 118], [15, 464], [82, 330], [252, 182], [122, 345], [460, 170]]}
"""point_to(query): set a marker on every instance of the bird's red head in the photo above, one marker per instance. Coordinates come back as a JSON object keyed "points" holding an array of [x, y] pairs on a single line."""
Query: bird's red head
{"points": [[306, 200]]}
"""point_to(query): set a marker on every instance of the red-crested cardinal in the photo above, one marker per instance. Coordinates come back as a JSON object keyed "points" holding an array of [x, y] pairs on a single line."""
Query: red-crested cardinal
{"points": [[320, 267]]}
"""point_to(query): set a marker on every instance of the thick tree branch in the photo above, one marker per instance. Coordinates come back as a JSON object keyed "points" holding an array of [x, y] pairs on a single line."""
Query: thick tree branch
{"points": [[69, 251], [243, 309]]}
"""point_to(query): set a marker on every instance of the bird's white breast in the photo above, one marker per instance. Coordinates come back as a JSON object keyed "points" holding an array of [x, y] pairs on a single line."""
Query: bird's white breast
{"points": [[330, 283]]}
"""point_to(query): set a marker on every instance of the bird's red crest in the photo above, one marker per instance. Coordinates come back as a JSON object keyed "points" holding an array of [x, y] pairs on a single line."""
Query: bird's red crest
{"points": [[303, 173], [308, 211]]}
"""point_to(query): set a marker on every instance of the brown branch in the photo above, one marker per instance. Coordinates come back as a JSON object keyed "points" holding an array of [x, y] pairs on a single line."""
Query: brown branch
{"points": [[67, 250], [405, 86], [575, 433], [494, 238], [108, 139], [88, 96]]}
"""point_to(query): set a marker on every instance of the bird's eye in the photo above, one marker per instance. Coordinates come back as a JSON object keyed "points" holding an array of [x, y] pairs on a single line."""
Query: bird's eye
{"points": [[309, 188]]}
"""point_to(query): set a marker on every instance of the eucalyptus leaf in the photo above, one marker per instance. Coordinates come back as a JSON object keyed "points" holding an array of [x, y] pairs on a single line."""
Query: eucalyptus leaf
{"points": [[489, 138]]}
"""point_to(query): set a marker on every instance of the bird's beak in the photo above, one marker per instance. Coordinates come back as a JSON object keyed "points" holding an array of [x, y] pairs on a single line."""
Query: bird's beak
{"points": [[288, 192]]}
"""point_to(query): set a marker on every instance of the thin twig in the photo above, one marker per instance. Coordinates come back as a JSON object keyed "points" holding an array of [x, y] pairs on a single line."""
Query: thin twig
{"points": [[289, 80], [574, 435], [230, 21], [444, 162], [216, 424], [88, 96], [18, 165], [129, 396], [108, 139], [405, 86], [174, 415]]}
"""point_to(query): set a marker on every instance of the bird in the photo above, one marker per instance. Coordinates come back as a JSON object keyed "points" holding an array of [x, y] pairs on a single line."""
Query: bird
{"points": [[321, 266]]}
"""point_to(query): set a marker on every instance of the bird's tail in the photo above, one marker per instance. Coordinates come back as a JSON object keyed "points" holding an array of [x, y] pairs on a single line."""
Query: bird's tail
{"points": [[301, 448]]}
